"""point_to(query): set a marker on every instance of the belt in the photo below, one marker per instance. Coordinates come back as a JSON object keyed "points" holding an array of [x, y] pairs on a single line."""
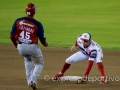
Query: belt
{"points": [[25, 43]]}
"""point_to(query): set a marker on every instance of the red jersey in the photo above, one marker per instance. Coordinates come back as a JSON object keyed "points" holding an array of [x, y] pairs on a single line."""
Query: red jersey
{"points": [[27, 30]]}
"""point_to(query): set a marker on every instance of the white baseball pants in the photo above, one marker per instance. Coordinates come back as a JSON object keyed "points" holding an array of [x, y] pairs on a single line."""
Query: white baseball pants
{"points": [[79, 56]]}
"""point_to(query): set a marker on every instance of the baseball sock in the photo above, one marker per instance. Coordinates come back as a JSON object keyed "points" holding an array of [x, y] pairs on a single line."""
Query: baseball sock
{"points": [[101, 68], [89, 66], [65, 67]]}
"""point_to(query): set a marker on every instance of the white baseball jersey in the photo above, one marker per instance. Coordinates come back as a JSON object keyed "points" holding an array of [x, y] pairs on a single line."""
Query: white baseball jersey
{"points": [[92, 52]]}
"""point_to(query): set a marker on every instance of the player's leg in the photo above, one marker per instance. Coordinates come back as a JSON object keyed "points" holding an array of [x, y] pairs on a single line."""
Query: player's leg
{"points": [[38, 63], [76, 57], [29, 68], [101, 66], [37, 70], [25, 50]]}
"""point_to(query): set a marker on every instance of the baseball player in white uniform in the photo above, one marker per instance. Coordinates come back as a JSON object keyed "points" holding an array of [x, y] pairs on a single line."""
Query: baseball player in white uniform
{"points": [[89, 50]]}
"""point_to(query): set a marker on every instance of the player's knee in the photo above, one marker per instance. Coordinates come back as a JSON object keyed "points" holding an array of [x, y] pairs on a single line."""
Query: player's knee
{"points": [[69, 61], [98, 61], [42, 62]]}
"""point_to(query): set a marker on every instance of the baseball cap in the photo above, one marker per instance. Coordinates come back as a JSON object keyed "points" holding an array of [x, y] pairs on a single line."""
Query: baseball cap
{"points": [[86, 37]]}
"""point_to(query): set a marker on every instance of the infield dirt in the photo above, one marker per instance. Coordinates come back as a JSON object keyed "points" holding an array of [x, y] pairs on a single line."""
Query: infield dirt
{"points": [[12, 71]]}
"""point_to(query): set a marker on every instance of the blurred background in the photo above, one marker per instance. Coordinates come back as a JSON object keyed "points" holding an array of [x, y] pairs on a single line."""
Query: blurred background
{"points": [[64, 20]]}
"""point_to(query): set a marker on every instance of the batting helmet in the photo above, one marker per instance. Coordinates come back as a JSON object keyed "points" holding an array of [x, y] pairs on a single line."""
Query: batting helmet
{"points": [[30, 9]]}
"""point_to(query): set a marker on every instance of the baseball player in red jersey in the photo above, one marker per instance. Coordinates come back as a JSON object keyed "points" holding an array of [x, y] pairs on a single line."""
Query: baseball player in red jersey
{"points": [[90, 50], [25, 34]]}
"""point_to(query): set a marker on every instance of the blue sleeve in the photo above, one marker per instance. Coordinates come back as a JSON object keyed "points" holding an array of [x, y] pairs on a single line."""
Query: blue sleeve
{"points": [[13, 28], [41, 32], [93, 54]]}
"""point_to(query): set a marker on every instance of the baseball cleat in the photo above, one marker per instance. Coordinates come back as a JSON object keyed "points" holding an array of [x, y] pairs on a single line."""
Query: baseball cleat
{"points": [[57, 76], [33, 86], [103, 80]]}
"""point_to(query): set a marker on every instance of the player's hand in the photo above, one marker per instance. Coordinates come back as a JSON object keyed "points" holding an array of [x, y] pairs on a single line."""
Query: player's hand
{"points": [[73, 48], [15, 46], [84, 80], [46, 44]]}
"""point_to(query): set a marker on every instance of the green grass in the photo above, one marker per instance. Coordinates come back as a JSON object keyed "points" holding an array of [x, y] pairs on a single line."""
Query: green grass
{"points": [[64, 20]]}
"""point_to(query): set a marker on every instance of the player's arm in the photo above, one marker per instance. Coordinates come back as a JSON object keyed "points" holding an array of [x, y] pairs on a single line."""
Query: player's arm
{"points": [[41, 35], [13, 34], [75, 44], [92, 57]]}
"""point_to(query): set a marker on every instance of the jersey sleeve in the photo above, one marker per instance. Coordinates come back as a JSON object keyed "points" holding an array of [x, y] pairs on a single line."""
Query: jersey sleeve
{"points": [[76, 43], [41, 34], [93, 55], [13, 33], [13, 30]]}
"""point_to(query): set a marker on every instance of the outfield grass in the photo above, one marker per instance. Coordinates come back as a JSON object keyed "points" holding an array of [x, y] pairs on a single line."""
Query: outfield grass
{"points": [[64, 20]]}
